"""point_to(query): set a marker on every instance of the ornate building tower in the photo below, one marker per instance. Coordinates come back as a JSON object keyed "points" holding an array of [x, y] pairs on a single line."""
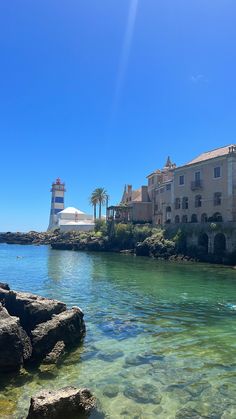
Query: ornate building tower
{"points": [[57, 203]]}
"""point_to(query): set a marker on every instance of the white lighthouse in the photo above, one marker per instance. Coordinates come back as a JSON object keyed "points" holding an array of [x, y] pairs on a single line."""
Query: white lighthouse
{"points": [[57, 203]]}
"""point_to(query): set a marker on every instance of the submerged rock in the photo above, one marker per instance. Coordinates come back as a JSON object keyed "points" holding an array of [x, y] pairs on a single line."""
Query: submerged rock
{"points": [[111, 356], [15, 345], [141, 359], [111, 391], [68, 402], [147, 393], [67, 326]]}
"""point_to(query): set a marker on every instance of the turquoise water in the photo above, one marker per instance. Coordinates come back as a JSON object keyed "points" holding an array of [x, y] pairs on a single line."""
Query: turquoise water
{"points": [[160, 336]]}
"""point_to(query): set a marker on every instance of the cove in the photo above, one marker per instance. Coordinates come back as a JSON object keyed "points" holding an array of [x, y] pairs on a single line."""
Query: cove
{"points": [[160, 336]]}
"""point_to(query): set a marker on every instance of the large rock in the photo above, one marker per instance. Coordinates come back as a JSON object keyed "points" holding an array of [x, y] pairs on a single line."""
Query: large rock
{"points": [[4, 286], [15, 345], [31, 309], [67, 326], [57, 353], [69, 403]]}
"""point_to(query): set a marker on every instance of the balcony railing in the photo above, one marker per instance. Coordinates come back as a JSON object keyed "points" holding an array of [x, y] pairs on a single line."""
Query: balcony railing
{"points": [[196, 185]]}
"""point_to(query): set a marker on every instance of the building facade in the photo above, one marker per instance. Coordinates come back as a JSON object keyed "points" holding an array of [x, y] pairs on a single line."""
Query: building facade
{"points": [[203, 190], [139, 203]]}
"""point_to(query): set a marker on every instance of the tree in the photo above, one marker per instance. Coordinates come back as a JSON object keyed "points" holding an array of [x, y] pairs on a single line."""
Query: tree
{"points": [[99, 197], [94, 202]]}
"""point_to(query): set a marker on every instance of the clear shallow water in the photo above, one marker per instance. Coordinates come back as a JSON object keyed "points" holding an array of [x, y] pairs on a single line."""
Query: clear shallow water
{"points": [[160, 336]]}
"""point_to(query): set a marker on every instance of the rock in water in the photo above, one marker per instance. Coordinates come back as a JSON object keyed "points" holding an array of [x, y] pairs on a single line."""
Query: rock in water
{"points": [[68, 403], [4, 286], [67, 326], [57, 353], [15, 346], [31, 309]]}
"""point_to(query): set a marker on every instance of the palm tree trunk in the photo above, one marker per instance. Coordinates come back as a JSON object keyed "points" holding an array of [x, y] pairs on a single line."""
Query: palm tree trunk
{"points": [[94, 212], [100, 210]]}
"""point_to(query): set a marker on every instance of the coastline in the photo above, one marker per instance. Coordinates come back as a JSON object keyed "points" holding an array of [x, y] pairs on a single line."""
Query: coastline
{"points": [[96, 242]]}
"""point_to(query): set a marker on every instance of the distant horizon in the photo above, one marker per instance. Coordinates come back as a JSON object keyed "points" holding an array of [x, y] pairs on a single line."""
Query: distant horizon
{"points": [[100, 95]]}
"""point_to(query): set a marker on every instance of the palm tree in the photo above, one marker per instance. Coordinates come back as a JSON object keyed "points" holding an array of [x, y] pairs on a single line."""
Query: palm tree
{"points": [[94, 201], [99, 196]]}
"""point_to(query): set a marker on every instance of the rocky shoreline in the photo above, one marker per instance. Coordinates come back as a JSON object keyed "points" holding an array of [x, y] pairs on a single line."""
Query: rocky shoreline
{"points": [[32, 237], [39, 331], [35, 329], [87, 242]]}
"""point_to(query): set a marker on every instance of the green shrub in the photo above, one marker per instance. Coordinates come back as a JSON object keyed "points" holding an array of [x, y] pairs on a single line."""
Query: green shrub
{"points": [[156, 245], [141, 233], [124, 236], [101, 225], [180, 241]]}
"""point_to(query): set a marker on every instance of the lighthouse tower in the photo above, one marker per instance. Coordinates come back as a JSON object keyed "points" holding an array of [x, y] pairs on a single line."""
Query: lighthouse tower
{"points": [[57, 203]]}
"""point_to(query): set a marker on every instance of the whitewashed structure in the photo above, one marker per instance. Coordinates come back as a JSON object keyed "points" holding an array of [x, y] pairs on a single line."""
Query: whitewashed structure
{"points": [[67, 219], [72, 219]]}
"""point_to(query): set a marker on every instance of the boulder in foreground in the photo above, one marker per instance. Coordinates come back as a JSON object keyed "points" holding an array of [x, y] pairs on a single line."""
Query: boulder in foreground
{"points": [[15, 345], [67, 326], [31, 309], [66, 403]]}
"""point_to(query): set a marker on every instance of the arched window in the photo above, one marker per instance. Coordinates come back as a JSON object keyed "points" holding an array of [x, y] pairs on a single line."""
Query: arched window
{"points": [[185, 202], [203, 241], [198, 201], [184, 219], [217, 198], [177, 220], [204, 218], [194, 218]]}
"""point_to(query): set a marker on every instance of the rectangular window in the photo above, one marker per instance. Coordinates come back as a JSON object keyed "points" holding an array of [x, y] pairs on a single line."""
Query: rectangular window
{"points": [[217, 172], [197, 176], [59, 200], [56, 210], [168, 187], [177, 203], [181, 180], [162, 190]]}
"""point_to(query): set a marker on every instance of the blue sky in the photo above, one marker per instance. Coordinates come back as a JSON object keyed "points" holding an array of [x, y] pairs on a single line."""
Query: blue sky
{"points": [[99, 92]]}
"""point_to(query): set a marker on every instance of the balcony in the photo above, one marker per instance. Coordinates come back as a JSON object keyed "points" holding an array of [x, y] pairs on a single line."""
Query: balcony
{"points": [[196, 185]]}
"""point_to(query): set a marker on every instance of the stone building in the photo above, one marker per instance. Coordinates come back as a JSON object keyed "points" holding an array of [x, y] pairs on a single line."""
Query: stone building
{"points": [[200, 192], [135, 206], [203, 190], [161, 193]]}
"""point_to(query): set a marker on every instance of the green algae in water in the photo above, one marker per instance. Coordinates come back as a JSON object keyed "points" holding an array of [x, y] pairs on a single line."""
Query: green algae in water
{"points": [[160, 336]]}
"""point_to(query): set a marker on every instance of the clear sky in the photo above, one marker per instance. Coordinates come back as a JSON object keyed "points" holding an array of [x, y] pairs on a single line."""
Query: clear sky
{"points": [[99, 92]]}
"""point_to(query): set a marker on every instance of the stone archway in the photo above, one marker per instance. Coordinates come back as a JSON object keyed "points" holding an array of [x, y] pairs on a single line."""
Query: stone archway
{"points": [[184, 219], [203, 241], [177, 219], [219, 244], [194, 218], [204, 218], [168, 214]]}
